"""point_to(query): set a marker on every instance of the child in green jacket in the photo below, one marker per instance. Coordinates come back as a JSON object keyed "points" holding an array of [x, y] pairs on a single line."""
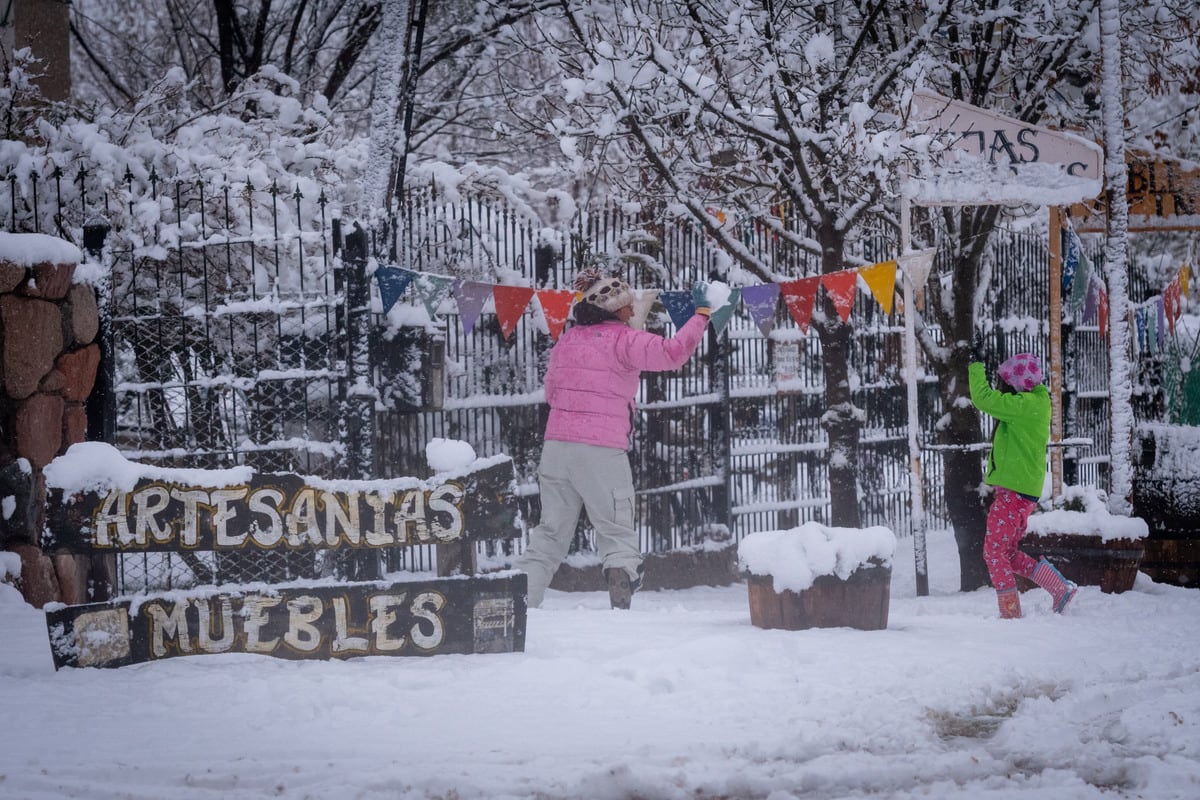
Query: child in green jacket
{"points": [[1016, 467]]}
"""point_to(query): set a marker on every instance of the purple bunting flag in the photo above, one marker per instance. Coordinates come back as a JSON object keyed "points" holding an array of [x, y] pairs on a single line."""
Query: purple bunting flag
{"points": [[471, 296], [762, 300]]}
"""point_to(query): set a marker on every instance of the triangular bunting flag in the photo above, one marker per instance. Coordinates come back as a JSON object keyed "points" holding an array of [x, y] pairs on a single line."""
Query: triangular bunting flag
{"points": [[881, 280], [556, 305], [392, 283], [1080, 285], [1185, 277], [1092, 302], [841, 285], [1103, 312], [917, 265], [432, 289], [1172, 303], [720, 317], [678, 305], [510, 305], [799, 296], [1071, 258], [1160, 326], [643, 301], [471, 297], [762, 300]]}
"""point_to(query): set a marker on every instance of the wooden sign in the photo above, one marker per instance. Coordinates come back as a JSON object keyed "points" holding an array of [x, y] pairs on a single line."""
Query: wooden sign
{"points": [[1163, 195], [992, 158], [181, 511], [280, 511], [418, 618]]}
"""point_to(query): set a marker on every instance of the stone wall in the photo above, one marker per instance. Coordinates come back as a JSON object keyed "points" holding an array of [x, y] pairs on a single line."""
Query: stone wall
{"points": [[49, 355]]}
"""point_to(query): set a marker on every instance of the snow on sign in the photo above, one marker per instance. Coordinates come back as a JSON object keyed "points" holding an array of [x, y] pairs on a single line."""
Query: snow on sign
{"points": [[134, 508], [972, 156]]}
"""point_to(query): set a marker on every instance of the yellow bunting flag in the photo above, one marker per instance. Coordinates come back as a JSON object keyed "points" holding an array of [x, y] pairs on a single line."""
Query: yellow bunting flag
{"points": [[881, 280], [1185, 275]]}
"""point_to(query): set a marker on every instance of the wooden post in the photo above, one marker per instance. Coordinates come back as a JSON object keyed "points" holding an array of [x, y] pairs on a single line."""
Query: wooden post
{"points": [[1056, 354]]}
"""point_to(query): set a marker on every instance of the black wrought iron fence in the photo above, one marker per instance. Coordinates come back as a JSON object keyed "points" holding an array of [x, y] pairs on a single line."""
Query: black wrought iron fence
{"points": [[230, 316]]}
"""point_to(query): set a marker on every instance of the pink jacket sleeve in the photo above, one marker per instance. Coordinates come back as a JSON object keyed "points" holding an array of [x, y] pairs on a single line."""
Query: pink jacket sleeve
{"points": [[642, 350]]}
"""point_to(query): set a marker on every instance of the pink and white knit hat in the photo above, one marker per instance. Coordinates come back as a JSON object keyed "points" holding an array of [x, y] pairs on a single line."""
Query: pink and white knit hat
{"points": [[1022, 372]]}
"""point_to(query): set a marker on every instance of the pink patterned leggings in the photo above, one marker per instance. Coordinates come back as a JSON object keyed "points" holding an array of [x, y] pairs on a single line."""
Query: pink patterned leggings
{"points": [[1006, 523]]}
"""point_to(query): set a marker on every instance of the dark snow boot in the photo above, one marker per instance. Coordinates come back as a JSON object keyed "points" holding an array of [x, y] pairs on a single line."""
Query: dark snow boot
{"points": [[620, 587]]}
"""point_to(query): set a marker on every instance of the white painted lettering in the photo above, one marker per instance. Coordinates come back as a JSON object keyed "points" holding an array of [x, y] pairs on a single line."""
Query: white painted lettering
{"points": [[303, 611], [410, 510], [426, 606], [341, 519], [149, 502], [446, 500], [378, 535], [113, 512], [204, 633], [222, 514], [189, 528], [302, 519], [166, 626], [254, 616], [268, 534], [383, 617], [343, 642]]}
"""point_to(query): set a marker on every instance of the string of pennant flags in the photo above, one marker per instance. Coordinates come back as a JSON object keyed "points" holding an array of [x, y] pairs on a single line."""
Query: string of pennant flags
{"points": [[1087, 299], [799, 296]]}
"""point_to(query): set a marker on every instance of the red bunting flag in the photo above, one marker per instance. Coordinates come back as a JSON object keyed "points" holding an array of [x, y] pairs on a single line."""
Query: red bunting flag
{"points": [[1171, 303], [799, 296], [840, 286], [510, 305], [556, 305], [1103, 313]]}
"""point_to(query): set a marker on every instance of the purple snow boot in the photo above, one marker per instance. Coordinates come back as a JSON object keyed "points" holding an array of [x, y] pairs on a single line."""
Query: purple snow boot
{"points": [[1060, 589]]}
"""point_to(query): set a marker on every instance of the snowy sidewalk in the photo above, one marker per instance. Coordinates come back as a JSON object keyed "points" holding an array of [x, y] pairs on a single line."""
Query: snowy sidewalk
{"points": [[679, 698]]}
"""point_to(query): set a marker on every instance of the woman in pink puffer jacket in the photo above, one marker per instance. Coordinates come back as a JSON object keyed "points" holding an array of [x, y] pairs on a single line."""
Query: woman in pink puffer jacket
{"points": [[591, 383]]}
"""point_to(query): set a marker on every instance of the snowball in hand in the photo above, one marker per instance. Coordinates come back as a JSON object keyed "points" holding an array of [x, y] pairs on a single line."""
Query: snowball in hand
{"points": [[446, 455], [718, 295]]}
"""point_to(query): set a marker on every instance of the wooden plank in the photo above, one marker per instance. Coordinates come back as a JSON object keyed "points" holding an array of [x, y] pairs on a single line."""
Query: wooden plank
{"points": [[284, 512], [332, 621]]}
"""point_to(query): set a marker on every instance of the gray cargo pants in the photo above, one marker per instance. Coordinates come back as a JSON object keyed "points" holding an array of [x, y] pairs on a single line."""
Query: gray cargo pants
{"points": [[572, 477]]}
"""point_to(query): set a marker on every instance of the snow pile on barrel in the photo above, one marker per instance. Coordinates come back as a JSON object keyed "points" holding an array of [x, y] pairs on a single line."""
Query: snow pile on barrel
{"points": [[795, 558]]}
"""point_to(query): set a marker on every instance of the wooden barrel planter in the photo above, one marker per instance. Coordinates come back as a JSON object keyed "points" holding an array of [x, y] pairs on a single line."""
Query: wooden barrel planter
{"points": [[815, 576], [860, 601], [1111, 564]]}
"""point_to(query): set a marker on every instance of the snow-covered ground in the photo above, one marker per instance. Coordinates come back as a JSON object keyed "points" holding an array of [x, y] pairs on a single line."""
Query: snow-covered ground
{"points": [[679, 698]]}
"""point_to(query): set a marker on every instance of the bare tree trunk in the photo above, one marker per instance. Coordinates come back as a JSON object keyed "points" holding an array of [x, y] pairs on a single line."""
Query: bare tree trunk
{"points": [[963, 475], [842, 421]]}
